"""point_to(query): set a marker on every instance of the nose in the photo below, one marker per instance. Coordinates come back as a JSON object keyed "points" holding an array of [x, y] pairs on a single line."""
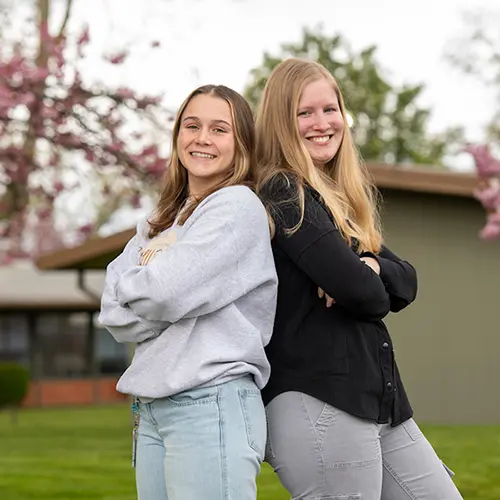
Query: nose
{"points": [[321, 123], [203, 136]]}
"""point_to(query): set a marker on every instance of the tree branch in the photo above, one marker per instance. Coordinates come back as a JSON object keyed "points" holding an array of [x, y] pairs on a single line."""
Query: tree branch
{"points": [[62, 29]]}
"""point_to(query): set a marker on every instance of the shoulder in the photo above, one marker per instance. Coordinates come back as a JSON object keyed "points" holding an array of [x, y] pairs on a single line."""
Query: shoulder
{"points": [[231, 203], [290, 200], [142, 228], [281, 187], [234, 197]]}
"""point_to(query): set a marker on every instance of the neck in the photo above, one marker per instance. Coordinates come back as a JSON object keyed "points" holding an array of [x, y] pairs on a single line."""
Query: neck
{"points": [[197, 189]]}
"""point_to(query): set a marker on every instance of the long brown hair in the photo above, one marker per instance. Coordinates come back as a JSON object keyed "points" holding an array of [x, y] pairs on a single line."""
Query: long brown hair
{"points": [[343, 184], [175, 185]]}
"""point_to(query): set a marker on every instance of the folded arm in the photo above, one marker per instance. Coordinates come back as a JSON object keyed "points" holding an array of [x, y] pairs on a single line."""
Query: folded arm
{"points": [[123, 324], [399, 278], [318, 248], [207, 268]]}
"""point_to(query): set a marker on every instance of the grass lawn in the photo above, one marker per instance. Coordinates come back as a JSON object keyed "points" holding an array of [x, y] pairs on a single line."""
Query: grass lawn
{"points": [[85, 454]]}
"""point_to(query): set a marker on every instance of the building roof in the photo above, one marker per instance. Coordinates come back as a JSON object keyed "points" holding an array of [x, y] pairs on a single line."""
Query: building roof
{"points": [[423, 179], [96, 253]]}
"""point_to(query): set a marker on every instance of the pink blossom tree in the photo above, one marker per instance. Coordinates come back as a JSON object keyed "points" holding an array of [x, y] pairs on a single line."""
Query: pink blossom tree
{"points": [[488, 193], [51, 122]]}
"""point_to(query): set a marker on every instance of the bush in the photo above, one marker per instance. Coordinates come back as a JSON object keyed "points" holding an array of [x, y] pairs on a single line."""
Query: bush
{"points": [[14, 379]]}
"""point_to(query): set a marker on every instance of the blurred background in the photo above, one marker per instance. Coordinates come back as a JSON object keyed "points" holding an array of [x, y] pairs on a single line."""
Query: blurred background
{"points": [[88, 93]]}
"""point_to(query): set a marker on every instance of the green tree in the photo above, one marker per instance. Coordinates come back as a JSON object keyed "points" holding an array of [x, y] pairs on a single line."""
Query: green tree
{"points": [[388, 123]]}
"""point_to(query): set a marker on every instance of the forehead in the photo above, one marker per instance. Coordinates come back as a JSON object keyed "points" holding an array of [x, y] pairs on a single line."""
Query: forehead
{"points": [[208, 108], [318, 93]]}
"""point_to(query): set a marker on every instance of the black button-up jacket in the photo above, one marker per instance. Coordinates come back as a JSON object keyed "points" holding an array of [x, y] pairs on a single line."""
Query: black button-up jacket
{"points": [[342, 355]]}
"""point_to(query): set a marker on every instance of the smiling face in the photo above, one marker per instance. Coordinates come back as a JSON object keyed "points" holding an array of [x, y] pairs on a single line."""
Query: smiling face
{"points": [[320, 121], [206, 142]]}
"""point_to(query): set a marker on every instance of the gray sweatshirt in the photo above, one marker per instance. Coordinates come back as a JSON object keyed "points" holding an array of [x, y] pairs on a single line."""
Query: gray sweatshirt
{"points": [[198, 300]]}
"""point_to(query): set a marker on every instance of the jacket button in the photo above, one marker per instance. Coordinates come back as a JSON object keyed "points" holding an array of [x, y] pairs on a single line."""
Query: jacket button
{"points": [[385, 345], [389, 385]]}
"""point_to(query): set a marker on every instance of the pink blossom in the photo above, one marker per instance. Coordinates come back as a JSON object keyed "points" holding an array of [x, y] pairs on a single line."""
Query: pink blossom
{"points": [[86, 229], [44, 213], [84, 37], [489, 196], [144, 102], [157, 168], [89, 156], [486, 164], [125, 93], [491, 230], [135, 201], [36, 74], [117, 58], [49, 112], [61, 113]]}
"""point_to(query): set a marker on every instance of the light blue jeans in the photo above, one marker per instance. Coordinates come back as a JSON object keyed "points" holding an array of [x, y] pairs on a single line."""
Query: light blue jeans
{"points": [[205, 443]]}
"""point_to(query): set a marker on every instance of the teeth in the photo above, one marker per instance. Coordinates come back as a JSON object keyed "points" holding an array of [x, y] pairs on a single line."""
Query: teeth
{"points": [[320, 139], [203, 155]]}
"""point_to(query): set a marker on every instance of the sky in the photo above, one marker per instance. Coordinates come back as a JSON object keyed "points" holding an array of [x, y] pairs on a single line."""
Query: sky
{"points": [[220, 41]]}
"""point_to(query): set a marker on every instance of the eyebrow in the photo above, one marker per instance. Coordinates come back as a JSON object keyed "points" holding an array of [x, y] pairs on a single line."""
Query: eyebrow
{"points": [[213, 121], [330, 104]]}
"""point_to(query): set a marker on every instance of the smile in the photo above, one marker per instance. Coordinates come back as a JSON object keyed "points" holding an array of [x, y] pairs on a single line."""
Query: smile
{"points": [[198, 154], [320, 139]]}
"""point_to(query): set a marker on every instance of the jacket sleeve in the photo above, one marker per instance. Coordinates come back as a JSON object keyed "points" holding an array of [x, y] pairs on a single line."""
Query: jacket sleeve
{"points": [[320, 251], [123, 324], [399, 278], [208, 267]]}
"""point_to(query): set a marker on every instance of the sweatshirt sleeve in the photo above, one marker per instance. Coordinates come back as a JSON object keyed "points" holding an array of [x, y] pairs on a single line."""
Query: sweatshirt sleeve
{"points": [[210, 266], [123, 324], [399, 278], [318, 248]]}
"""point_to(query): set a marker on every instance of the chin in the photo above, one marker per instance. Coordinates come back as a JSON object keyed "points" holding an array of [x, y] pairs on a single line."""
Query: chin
{"points": [[322, 160]]}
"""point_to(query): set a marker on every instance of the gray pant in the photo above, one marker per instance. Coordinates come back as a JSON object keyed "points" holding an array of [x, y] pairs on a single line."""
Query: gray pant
{"points": [[322, 453]]}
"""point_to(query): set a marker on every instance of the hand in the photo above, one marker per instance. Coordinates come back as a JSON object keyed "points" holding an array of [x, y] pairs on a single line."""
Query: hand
{"points": [[329, 300], [373, 263]]}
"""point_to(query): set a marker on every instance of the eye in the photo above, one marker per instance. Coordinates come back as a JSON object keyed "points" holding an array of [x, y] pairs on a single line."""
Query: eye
{"points": [[191, 126], [220, 130], [331, 109], [303, 113]]}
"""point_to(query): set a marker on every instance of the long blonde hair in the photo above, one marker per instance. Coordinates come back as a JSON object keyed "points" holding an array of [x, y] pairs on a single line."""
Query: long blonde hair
{"points": [[343, 185], [175, 185]]}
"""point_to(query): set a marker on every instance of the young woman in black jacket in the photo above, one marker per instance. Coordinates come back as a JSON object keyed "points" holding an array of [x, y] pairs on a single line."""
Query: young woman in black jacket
{"points": [[340, 423]]}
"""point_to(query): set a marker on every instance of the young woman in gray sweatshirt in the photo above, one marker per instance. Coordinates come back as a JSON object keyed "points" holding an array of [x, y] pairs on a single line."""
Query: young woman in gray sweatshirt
{"points": [[195, 291]]}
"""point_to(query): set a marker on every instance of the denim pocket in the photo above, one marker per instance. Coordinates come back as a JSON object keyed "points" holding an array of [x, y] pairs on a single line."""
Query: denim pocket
{"points": [[255, 419], [412, 429], [198, 396]]}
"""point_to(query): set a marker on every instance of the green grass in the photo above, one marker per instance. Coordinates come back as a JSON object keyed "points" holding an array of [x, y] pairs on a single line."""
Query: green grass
{"points": [[85, 454]]}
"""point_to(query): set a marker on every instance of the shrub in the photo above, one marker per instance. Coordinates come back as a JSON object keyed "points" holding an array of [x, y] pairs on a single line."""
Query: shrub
{"points": [[14, 379]]}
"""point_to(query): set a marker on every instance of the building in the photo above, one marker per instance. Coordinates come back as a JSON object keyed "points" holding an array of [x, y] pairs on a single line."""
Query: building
{"points": [[48, 322], [447, 343]]}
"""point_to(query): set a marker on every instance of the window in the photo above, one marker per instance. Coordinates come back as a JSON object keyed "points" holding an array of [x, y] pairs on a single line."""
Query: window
{"points": [[61, 345], [112, 357], [14, 338]]}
